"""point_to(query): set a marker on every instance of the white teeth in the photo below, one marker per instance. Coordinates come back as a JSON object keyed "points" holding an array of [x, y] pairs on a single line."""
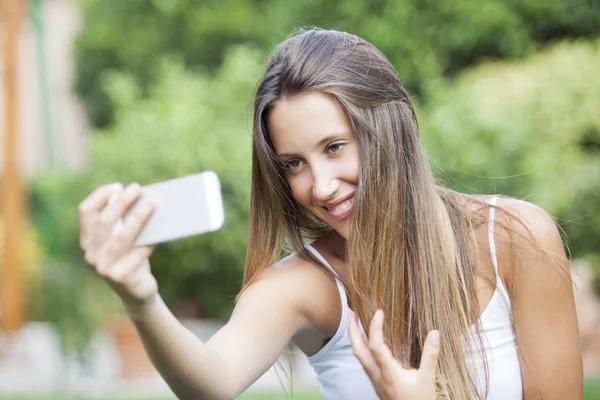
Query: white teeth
{"points": [[343, 205]]}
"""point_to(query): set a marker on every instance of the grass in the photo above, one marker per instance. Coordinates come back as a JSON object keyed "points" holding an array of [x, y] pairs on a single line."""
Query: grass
{"points": [[591, 392], [249, 396], [297, 396]]}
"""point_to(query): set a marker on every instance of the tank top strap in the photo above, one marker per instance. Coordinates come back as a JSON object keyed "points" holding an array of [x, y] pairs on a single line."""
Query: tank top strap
{"points": [[338, 281], [499, 284], [492, 243]]}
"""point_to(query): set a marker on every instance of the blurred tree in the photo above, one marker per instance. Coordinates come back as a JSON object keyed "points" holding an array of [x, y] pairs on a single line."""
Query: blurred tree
{"points": [[424, 39], [187, 123], [530, 129]]}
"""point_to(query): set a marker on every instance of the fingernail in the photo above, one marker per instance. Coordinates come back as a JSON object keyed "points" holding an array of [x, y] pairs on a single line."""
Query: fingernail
{"points": [[435, 337], [133, 188], [379, 315]]}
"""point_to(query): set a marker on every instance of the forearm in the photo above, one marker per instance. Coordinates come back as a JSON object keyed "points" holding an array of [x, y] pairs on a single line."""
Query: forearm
{"points": [[188, 366]]}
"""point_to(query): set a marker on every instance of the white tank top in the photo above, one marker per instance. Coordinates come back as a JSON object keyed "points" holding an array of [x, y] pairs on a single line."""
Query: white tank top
{"points": [[342, 377]]}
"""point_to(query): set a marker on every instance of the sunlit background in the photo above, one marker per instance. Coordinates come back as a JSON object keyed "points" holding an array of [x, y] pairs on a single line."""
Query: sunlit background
{"points": [[98, 91]]}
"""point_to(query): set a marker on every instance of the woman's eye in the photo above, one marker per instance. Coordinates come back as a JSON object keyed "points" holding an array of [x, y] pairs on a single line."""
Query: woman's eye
{"points": [[292, 165], [335, 147]]}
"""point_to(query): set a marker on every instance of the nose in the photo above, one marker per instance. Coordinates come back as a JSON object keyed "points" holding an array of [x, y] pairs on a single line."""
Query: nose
{"points": [[325, 184]]}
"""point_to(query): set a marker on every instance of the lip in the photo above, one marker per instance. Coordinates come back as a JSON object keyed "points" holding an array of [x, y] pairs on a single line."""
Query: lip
{"points": [[342, 213]]}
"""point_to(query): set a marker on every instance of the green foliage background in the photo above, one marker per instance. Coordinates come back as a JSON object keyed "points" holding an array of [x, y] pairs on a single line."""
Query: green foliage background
{"points": [[423, 39], [529, 129], [507, 96]]}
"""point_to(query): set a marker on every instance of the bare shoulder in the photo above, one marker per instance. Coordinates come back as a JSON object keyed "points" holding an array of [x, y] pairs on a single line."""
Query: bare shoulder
{"points": [[296, 275], [302, 287], [529, 244], [531, 222]]}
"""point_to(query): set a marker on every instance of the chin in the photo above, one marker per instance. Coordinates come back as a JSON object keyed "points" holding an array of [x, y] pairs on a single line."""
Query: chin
{"points": [[341, 227]]}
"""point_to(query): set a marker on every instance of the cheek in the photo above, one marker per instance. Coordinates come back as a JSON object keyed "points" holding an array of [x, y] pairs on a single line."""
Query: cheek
{"points": [[301, 189], [352, 167]]}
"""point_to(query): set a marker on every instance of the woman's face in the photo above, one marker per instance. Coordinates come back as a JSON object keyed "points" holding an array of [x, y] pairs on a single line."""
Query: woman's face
{"points": [[314, 142]]}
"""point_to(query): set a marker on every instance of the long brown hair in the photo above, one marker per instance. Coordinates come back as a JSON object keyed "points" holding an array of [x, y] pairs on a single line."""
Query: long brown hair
{"points": [[412, 250]]}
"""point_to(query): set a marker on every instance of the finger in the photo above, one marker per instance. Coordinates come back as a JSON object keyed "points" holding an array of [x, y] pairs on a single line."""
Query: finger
{"points": [[113, 212], [361, 350], [136, 219], [122, 203], [431, 354], [125, 239], [98, 198], [381, 352], [92, 204], [138, 274]]}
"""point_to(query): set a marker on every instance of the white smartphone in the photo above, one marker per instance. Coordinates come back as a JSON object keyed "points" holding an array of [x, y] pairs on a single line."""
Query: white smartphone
{"points": [[186, 206]]}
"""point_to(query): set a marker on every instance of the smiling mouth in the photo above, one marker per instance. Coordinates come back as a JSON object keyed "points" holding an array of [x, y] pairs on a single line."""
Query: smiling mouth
{"points": [[342, 209]]}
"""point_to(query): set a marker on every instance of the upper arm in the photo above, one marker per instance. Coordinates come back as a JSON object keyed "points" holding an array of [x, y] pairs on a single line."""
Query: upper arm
{"points": [[265, 318], [544, 308]]}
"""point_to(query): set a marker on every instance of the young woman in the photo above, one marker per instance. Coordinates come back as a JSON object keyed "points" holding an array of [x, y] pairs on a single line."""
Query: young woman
{"points": [[338, 172]]}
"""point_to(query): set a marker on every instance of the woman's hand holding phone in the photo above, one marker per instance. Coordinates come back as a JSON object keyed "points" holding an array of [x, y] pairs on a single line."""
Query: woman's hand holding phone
{"points": [[125, 267]]}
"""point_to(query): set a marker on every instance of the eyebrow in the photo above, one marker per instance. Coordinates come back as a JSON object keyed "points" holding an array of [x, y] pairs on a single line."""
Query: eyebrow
{"points": [[321, 142]]}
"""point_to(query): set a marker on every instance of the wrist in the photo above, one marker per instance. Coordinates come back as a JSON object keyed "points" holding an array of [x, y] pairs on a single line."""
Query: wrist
{"points": [[140, 309]]}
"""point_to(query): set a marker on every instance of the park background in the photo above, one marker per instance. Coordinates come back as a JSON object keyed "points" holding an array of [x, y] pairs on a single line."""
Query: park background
{"points": [[507, 94]]}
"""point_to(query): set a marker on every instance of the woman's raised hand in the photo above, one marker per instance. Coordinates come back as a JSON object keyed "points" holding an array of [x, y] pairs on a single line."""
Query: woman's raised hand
{"points": [[390, 380], [126, 268]]}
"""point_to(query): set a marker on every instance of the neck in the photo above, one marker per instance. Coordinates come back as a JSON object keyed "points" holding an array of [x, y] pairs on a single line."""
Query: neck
{"points": [[337, 245]]}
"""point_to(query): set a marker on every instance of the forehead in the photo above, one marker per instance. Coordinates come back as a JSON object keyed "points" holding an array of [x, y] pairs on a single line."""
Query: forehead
{"points": [[303, 120]]}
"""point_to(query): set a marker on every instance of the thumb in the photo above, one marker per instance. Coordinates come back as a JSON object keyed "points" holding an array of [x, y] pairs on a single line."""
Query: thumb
{"points": [[431, 354]]}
